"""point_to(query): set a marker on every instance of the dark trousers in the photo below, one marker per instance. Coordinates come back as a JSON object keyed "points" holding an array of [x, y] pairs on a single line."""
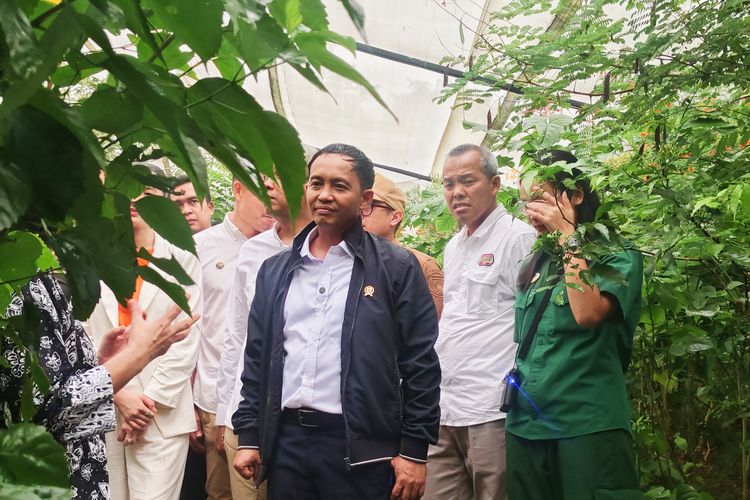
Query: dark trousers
{"points": [[194, 480], [598, 466], [308, 464]]}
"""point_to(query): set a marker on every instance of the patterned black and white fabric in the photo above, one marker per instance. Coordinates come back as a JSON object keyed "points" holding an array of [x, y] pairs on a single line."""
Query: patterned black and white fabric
{"points": [[79, 407]]}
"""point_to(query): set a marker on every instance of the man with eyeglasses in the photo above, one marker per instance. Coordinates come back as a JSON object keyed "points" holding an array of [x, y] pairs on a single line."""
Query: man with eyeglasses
{"points": [[384, 219], [197, 213]]}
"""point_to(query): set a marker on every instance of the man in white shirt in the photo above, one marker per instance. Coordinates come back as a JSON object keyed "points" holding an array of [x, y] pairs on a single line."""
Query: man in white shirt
{"points": [[252, 254], [197, 213], [218, 247], [475, 345]]}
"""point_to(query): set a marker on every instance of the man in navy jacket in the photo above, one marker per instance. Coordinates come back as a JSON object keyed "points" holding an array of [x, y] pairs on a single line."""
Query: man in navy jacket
{"points": [[341, 380]]}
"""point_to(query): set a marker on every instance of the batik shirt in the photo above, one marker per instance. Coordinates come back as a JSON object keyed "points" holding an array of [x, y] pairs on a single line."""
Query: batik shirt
{"points": [[79, 407]]}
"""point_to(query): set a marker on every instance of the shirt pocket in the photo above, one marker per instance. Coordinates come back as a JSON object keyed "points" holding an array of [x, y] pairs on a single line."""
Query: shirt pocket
{"points": [[522, 302], [481, 291]]}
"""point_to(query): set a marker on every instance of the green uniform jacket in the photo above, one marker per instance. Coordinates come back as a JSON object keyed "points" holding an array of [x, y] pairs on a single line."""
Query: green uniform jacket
{"points": [[573, 380]]}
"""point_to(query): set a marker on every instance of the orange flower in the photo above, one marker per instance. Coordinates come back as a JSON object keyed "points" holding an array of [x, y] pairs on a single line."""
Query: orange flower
{"points": [[691, 169], [686, 155], [644, 134], [657, 111], [669, 104]]}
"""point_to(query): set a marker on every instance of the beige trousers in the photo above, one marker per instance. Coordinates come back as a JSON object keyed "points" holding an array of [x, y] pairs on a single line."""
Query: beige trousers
{"points": [[150, 469], [217, 476], [241, 488], [467, 463]]}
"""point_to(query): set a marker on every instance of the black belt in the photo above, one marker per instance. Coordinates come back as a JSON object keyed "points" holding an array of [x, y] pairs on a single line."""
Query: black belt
{"points": [[313, 418]]}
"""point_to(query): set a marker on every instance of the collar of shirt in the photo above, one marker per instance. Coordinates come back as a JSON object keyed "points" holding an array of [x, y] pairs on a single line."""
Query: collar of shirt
{"points": [[340, 249], [231, 229], [485, 226]]}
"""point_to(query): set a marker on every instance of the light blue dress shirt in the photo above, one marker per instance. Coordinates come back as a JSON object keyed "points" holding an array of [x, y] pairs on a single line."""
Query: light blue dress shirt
{"points": [[313, 318]]}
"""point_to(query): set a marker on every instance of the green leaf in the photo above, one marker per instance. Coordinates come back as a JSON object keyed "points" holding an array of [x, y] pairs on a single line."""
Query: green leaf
{"points": [[680, 442], [51, 156], [29, 455], [111, 111], [169, 266], [173, 290], [136, 21], [264, 137], [311, 46], [172, 116], [37, 374], [31, 492], [23, 55], [62, 35], [314, 14], [706, 122], [357, 15], [287, 12], [197, 23], [260, 43], [83, 279], [164, 217], [14, 191], [23, 254]]}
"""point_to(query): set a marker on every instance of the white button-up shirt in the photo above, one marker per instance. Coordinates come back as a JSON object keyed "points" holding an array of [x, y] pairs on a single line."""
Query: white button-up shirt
{"points": [[313, 319], [217, 247], [252, 254], [475, 344]]}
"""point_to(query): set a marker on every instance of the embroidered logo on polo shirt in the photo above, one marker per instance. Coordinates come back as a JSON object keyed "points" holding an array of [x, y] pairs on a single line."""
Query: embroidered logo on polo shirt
{"points": [[369, 291], [486, 260]]}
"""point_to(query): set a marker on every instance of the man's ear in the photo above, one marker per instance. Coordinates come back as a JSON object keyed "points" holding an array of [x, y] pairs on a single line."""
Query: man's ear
{"points": [[396, 217], [367, 196], [495, 182]]}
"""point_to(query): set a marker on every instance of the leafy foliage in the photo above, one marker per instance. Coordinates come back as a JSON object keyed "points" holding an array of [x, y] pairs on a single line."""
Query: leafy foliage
{"points": [[56, 139], [661, 127]]}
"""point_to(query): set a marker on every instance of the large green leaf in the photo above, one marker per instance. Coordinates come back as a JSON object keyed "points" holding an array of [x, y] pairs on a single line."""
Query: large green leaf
{"points": [[111, 111], [52, 158], [167, 112], [170, 266], [265, 138], [29, 455], [33, 492], [197, 23], [173, 290], [165, 218], [62, 34], [313, 46], [80, 267], [23, 55], [261, 42], [137, 22], [14, 191]]}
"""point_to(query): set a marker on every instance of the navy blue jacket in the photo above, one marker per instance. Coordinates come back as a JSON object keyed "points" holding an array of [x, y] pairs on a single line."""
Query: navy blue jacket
{"points": [[390, 373]]}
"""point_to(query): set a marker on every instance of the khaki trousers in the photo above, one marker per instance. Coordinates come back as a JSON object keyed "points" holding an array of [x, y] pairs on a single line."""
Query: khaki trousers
{"points": [[467, 463], [241, 488], [217, 477]]}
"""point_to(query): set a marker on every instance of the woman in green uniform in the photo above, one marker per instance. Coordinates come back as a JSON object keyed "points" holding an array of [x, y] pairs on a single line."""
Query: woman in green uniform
{"points": [[568, 433]]}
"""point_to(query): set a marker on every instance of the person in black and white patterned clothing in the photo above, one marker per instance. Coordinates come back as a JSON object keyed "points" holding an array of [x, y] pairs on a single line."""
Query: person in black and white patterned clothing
{"points": [[78, 408]]}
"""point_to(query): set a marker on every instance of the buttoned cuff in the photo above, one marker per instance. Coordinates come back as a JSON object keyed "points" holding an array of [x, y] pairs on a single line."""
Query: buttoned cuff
{"points": [[414, 450], [247, 438]]}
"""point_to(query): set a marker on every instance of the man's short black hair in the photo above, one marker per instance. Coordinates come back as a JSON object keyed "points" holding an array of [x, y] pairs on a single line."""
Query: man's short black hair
{"points": [[362, 165], [184, 179]]}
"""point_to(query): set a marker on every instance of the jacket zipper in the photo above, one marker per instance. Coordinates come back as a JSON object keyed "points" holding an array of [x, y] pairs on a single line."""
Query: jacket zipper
{"points": [[347, 459]]}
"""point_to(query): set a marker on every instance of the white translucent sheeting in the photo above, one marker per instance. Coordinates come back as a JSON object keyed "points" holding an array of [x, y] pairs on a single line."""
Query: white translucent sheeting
{"points": [[424, 29]]}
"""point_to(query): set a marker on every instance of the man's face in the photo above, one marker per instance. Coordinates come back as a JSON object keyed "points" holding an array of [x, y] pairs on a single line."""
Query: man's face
{"points": [[279, 206], [334, 193], [250, 209], [197, 214], [382, 220], [470, 195]]}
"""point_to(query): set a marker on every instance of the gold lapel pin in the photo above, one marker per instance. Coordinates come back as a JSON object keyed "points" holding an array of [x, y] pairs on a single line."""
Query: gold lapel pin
{"points": [[369, 291], [219, 265]]}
